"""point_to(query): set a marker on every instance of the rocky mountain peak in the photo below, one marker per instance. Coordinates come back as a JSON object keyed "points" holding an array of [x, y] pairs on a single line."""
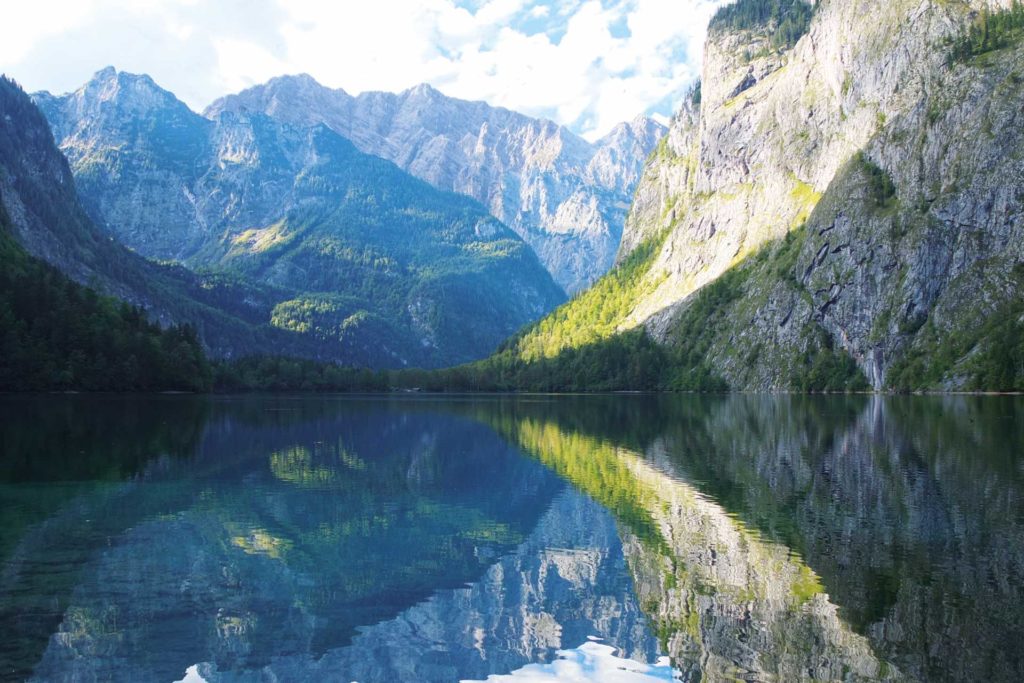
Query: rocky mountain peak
{"points": [[302, 80], [642, 129], [294, 99], [132, 93], [620, 155], [423, 90]]}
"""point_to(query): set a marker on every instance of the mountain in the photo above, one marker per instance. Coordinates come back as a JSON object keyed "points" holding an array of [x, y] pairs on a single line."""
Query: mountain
{"points": [[372, 266], [565, 196], [51, 250], [837, 206]]}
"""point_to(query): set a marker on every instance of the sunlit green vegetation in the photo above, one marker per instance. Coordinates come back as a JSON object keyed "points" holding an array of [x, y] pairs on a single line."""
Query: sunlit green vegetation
{"points": [[598, 468], [595, 315]]}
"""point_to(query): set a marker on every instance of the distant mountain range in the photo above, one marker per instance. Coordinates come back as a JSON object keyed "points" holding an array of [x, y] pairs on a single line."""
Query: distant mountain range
{"points": [[565, 196], [295, 241], [165, 180]]}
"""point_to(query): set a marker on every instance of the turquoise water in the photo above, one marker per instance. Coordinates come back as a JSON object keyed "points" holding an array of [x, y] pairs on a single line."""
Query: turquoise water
{"points": [[607, 538]]}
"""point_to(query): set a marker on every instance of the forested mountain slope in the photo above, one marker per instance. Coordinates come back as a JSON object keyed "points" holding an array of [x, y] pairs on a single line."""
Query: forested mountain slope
{"points": [[44, 219]]}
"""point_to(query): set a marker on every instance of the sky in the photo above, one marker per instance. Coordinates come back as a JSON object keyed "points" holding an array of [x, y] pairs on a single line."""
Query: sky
{"points": [[586, 64]]}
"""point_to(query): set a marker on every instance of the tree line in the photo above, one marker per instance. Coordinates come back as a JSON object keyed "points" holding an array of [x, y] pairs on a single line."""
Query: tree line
{"points": [[786, 20], [56, 335], [989, 31]]}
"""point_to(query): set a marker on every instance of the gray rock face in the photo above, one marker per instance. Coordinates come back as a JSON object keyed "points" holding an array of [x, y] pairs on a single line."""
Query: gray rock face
{"points": [[134, 150], [566, 197], [772, 148], [31, 167]]}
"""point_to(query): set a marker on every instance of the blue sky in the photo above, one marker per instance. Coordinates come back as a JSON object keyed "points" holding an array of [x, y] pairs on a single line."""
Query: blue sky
{"points": [[587, 64]]}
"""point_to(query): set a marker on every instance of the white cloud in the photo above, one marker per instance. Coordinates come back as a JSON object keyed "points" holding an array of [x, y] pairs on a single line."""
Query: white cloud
{"points": [[587, 64], [242, 64], [26, 22]]}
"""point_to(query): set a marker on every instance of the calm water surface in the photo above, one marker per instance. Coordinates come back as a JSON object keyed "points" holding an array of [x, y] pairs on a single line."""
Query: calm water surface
{"points": [[606, 538]]}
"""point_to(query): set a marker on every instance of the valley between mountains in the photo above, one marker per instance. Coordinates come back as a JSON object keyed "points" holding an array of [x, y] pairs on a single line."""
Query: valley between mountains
{"points": [[836, 206]]}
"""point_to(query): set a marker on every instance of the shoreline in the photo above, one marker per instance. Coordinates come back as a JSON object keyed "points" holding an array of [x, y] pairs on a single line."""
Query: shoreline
{"points": [[411, 393]]}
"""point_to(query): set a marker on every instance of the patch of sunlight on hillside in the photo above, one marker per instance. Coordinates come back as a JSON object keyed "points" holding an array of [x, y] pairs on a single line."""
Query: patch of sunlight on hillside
{"points": [[596, 314], [259, 240], [806, 197], [261, 542]]}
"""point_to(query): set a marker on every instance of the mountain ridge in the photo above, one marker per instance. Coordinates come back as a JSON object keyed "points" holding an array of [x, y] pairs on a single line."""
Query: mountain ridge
{"points": [[565, 196], [303, 214]]}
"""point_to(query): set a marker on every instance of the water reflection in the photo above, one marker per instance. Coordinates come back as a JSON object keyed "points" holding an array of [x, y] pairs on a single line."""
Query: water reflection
{"points": [[749, 538], [839, 539], [309, 539]]}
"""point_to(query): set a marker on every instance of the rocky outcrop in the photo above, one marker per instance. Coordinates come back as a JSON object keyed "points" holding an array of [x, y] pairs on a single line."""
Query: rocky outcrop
{"points": [[565, 196], [893, 171]]}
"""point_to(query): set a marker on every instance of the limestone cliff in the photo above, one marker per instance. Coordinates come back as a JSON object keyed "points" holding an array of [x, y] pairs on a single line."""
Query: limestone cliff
{"points": [[860, 190]]}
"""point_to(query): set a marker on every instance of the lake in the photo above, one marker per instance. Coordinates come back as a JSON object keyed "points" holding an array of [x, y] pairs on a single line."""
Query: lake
{"points": [[584, 538]]}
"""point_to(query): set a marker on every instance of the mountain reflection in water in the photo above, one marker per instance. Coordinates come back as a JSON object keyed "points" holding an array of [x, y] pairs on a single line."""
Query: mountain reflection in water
{"points": [[446, 539]]}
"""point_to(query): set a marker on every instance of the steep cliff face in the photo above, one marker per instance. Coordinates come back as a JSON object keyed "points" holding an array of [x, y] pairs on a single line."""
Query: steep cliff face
{"points": [[372, 265], [38, 193], [565, 196], [860, 191]]}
